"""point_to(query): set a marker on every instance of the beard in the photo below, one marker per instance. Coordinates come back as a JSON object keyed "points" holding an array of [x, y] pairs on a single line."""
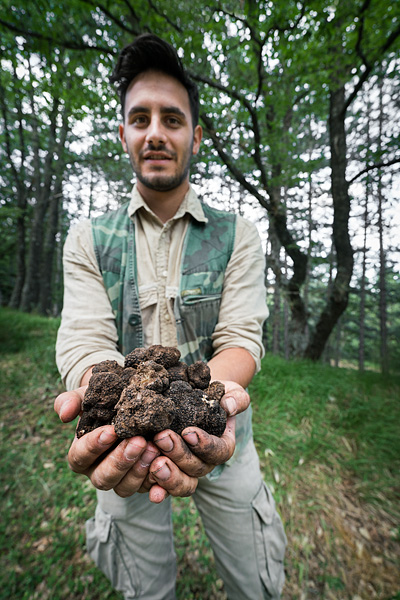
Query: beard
{"points": [[161, 182]]}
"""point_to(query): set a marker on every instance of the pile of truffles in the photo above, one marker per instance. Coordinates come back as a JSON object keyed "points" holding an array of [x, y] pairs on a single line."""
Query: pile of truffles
{"points": [[152, 392]]}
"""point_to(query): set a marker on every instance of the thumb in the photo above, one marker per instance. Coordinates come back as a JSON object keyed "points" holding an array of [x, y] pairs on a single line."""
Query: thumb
{"points": [[68, 405]]}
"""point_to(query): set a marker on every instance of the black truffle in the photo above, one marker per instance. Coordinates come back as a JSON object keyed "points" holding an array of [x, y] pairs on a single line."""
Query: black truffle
{"points": [[152, 392]]}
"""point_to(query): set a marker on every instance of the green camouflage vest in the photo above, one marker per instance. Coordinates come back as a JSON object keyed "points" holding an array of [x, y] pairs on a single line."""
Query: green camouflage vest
{"points": [[206, 251]]}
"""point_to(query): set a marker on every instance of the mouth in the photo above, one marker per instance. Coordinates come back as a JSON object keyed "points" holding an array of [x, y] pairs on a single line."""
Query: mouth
{"points": [[156, 156]]}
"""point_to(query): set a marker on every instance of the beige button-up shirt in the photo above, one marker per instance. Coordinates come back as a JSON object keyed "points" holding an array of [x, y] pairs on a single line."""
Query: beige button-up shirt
{"points": [[88, 333]]}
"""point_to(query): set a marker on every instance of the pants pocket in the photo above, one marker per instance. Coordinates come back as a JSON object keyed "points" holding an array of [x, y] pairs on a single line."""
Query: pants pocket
{"points": [[106, 546], [270, 541]]}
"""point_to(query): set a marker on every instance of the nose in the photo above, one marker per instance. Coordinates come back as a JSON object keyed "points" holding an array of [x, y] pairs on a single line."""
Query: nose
{"points": [[155, 132]]}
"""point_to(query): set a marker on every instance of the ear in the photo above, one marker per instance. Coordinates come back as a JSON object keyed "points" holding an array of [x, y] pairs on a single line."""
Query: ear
{"points": [[122, 137], [197, 137]]}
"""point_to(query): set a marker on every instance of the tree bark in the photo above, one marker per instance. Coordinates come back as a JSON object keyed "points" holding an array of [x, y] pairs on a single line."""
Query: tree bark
{"points": [[55, 203], [49, 246], [21, 187], [338, 297], [361, 338], [43, 186], [382, 254]]}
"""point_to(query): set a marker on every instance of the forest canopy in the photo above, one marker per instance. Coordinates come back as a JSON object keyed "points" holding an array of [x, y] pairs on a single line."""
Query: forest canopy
{"points": [[300, 110]]}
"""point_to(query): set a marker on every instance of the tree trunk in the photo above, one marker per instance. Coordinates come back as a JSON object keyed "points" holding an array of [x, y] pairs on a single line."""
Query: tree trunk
{"points": [[382, 255], [338, 336], [46, 278], [275, 264], [21, 186], [338, 298], [309, 246], [55, 202], [286, 321], [361, 338], [31, 290]]}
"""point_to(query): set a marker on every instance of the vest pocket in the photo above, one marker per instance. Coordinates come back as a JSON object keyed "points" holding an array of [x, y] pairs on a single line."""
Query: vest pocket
{"points": [[193, 299], [270, 542], [196, 318], [106, 546]]}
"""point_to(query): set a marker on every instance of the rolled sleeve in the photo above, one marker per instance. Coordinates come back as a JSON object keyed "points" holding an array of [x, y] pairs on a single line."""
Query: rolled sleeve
{"points": [[87, 334], [243, 307]]}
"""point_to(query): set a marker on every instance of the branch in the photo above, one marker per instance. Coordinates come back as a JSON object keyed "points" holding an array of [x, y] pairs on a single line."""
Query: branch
{"points": [[368, 68], [113, 18], [373, 167], [245, 22], [131, 10], [57, 42], [230, 163], [165, 17], [361, 32], [253, 115]]}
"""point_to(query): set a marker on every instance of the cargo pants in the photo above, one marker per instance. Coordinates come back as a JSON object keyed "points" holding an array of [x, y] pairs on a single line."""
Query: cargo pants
{"points": [[131, 540]]}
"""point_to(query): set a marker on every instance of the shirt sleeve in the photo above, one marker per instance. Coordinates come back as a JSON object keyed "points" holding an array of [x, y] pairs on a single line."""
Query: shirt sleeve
{"points": [[243, 307], [87, 334]]}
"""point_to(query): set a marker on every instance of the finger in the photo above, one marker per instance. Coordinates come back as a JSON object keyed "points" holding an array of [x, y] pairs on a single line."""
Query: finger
{"points": [[211, 449], [85, 451], [173, 446], [235, 399], [157, 494], [68, 404], [168, 476], [133, 480], [109, 473]]}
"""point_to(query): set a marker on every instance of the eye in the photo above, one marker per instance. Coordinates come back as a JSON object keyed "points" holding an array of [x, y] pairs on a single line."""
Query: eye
{"points": [[139, 120], [173, 121]]}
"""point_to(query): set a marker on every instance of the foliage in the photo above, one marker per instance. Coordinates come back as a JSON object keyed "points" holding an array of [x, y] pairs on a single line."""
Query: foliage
{"points": [[328, 444], [267, 74]]}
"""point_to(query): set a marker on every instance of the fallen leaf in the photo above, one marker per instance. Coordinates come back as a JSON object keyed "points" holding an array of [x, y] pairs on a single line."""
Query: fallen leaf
{"points": [[364, 532]]}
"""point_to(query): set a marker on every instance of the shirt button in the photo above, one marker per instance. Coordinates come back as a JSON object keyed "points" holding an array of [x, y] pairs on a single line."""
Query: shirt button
{"points": [[164, 273], [133, 320], [167, 317]]}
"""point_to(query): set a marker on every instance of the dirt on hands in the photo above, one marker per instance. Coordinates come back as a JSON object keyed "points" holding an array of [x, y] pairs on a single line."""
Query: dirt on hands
{"points": [[152, 392]]}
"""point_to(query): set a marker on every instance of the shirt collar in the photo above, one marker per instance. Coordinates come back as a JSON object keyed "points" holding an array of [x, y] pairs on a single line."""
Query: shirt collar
{"points": [[191, 204]]}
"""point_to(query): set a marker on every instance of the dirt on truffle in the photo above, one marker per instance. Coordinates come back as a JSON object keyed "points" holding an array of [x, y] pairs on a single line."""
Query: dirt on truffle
{"points": [[152, 392]]}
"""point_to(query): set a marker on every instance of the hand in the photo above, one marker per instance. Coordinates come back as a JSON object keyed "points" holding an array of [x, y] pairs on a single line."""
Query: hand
{"points": [[122, 466], [235, 400], [108, 464], [135, 465], [196, 452]]}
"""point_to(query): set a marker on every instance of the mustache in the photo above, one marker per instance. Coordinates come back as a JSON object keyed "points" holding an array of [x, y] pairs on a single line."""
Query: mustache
{"points": [[157, 148]]}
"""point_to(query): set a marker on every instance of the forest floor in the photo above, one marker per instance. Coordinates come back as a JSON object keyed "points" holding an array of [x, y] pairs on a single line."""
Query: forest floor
{"points": [[328, 441]]}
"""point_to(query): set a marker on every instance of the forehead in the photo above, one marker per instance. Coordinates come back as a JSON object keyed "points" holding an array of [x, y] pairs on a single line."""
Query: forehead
{"points": [[154, 89]]}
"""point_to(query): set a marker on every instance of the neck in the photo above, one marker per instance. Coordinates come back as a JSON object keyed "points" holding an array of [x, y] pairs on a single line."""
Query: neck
{"points": [[163, 204]]}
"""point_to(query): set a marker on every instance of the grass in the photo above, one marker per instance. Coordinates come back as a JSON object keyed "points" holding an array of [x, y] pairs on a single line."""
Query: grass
{"points": [[328, 441], [338, 418]]}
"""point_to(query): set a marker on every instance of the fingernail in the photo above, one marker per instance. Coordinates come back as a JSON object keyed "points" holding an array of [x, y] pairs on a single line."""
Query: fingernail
{"points": [[191, 438], [163, 473], [147, 457], [165, 443], [63, 409], [229, 404], [132, 451], [106, 438]]}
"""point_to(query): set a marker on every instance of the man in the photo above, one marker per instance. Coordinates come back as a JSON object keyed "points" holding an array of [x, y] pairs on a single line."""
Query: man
{"points": [[166, 269]]}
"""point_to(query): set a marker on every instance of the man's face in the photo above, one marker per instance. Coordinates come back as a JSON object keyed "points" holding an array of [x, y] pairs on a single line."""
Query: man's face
{"points": [[157, 131]]}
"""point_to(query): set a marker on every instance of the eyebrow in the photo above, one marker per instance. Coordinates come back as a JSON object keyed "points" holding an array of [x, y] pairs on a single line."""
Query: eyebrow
{"points": [[165, 110]]}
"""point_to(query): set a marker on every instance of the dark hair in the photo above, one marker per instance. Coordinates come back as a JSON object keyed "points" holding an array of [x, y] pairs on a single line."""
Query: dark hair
{"points": [[149, 52]]}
